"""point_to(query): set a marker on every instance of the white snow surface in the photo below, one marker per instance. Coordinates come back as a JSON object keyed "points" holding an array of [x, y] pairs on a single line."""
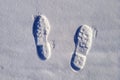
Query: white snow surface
{"points": [[18, 55]]}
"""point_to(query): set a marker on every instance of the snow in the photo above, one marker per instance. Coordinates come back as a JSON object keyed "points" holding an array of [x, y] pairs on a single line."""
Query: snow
{"points": [[18, 56]]}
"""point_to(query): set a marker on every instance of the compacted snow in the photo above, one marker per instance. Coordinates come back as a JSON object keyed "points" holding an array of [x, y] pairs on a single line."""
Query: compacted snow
{"points": [[41, 30], [19, 59]]}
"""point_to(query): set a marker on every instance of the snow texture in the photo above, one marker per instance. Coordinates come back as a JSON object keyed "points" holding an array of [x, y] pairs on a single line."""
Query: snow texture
{"points": [[18, 55]]}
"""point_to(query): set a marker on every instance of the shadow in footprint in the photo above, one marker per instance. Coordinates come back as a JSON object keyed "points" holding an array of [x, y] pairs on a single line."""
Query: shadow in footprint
{"points": [[39, 48], [76, 43]]}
